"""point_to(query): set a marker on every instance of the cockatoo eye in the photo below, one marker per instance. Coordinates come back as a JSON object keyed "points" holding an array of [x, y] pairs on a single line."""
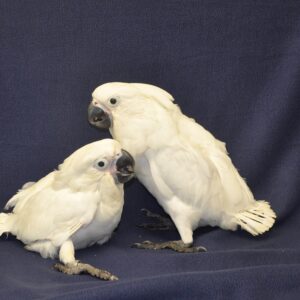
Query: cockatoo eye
{"points": [[114, 101], [102, 164]]}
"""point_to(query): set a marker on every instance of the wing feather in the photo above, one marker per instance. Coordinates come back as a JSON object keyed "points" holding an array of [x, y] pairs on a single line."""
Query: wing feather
{"points": [[53, 214], [28, 190], [235, 188]]}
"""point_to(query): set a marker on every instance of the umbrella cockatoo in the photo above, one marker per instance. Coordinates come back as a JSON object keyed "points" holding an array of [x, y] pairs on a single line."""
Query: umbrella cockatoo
{"points": [[74, 207], [181, 164]]}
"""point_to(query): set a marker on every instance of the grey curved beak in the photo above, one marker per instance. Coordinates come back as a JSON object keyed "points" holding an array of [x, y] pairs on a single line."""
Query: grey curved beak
{"points": [[125, 167], [98, 117]]}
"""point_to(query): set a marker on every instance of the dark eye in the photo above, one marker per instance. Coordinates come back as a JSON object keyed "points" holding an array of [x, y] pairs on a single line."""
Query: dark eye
{"points": [[113, 101], [102, 164]]}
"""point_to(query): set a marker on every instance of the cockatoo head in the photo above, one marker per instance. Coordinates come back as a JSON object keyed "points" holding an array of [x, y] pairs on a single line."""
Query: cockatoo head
{"points": [[119, 101], [89, 164]]}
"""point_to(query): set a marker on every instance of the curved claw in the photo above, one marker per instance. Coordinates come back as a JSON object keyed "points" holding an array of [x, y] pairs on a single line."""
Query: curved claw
{"points": [[201, 249], [141, 245], [145, 211], [150, 214]]}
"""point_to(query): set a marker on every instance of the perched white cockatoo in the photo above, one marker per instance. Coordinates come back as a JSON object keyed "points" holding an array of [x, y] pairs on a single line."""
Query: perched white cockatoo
{"points": [[74, 207], [183, 165]]}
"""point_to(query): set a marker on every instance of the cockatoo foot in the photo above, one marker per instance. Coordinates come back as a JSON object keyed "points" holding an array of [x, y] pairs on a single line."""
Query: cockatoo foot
{"points": [[78, 268], [163, 223], [178, 246]]}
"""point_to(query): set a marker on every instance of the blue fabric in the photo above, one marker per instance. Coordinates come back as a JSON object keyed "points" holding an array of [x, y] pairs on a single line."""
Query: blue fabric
{"points": [[232, 65]]}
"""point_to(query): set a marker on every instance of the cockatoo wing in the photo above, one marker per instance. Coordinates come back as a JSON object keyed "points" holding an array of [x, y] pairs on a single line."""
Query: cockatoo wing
{"points": [[28, 190], [234, 186], [52, 215]]}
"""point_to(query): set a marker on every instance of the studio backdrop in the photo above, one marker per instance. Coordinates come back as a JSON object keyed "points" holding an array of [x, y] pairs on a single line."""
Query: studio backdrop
{"points": [[234, 66]]}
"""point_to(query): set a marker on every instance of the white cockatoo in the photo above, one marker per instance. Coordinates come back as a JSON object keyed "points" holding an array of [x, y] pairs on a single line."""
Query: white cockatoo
{"points": [[74, 207], [182, 165]]}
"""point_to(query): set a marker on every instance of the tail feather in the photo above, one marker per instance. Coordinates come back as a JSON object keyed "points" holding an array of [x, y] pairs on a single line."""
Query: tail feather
{"points": [[4, 226], [258, 219]]}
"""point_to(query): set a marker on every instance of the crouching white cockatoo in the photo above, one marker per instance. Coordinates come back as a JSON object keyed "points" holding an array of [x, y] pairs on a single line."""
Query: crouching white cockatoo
{"points": [[183, 166], [74, 207]]}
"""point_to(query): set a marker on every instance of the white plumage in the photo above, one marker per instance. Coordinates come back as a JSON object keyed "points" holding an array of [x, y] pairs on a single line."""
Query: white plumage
{"points": [[76, 206], [187, 170]]}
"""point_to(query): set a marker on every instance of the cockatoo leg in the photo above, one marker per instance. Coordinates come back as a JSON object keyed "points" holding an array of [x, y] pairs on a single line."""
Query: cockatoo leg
{"points": [[162, 223], [178, 246], [185, 245], [71, 266]]}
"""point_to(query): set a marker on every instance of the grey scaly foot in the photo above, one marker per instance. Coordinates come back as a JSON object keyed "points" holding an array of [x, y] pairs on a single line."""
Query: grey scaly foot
{"points": [[163, 223], [78, 268], [178, 246]]}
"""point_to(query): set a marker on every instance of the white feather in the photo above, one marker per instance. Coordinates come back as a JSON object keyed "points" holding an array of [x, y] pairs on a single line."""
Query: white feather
{"points": [[257, 219], [183, 165], [78, 202]]}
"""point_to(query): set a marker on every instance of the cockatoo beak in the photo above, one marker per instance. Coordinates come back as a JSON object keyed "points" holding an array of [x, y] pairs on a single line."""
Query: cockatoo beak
{"points": [[99, 117], [124, 167]]}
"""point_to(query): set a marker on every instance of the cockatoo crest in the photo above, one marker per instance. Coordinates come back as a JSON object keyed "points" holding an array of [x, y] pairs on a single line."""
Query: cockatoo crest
{"points": [[130, 90], [160, 95], [82, 163]]}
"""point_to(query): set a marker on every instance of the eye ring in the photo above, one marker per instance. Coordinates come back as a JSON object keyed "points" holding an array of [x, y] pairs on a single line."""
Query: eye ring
{"points": [[102, 164], [113, 101]]}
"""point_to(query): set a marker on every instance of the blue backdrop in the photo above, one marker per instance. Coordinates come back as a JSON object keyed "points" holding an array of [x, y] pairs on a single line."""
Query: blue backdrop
{"points": [[232, 65]]}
